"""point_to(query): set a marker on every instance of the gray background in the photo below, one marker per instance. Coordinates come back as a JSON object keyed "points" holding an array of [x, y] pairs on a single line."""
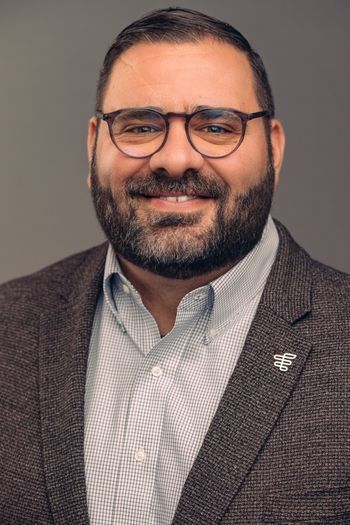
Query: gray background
{"points": [[50, 53]]}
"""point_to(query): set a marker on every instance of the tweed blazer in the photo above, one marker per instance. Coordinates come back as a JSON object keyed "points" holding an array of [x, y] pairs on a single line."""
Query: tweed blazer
{"points": [[277, 450]]}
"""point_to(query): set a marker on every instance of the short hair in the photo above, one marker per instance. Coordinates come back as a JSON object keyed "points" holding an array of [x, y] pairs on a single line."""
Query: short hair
{"points": [[178, 25]]}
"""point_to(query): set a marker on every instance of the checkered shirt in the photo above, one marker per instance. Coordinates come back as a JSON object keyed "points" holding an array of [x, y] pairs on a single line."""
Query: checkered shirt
{"points": [[149, 400]]}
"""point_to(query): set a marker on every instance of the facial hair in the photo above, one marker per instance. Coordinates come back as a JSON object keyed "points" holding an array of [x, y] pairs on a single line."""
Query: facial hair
{"points": [[177, 245]]}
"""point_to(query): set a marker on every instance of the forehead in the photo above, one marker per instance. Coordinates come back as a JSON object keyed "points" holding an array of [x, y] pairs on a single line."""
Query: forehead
{"points": [[177, 77]]}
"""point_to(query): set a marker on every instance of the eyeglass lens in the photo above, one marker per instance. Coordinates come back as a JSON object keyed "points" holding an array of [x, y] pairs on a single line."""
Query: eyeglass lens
{"points": [[212, 132]]}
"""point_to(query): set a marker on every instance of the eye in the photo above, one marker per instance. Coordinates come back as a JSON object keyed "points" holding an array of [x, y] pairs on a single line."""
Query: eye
{"points": [[217, 130], [141, 130]]}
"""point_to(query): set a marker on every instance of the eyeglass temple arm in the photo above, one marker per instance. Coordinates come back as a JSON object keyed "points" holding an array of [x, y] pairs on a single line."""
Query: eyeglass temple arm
{"points": [[258, 114]]}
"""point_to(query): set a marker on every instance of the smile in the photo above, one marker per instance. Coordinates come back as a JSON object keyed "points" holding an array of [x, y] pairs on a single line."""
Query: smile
{"points": [[171, 200]]}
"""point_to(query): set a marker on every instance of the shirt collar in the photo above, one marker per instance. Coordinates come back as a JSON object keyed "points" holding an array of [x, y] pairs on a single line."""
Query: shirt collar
{"points": [[114, 279], [227, 295], [235, 289]]}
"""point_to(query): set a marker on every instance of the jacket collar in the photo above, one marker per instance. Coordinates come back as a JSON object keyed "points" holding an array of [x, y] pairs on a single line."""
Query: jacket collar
{"points": [[288, 290]]}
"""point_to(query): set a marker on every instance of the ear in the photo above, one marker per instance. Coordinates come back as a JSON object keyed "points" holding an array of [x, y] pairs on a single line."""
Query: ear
{"points": [[91, 138], [278, 143], [92, 130]]}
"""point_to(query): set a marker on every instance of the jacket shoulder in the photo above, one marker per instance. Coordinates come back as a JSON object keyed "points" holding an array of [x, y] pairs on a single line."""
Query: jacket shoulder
{"points": [[298, 284], [57, 278], [330, 286], [292, 255]]}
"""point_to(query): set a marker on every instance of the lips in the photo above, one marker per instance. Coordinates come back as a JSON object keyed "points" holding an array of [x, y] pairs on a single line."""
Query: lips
{"points": [[165, 201]]}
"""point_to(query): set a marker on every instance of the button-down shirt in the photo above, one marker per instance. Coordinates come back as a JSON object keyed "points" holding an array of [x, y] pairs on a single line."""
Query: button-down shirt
{"points": [[150, 399]]}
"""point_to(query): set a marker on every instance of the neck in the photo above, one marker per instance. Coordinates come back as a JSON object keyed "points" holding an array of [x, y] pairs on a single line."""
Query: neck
{"points": [[162, 295]]}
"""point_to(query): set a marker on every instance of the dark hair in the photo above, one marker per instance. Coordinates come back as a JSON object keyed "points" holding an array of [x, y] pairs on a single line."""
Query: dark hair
{"points": [[177, 24]]}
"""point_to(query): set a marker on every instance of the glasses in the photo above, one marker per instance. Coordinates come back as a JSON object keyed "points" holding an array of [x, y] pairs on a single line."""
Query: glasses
{"points": [[212, 132]]}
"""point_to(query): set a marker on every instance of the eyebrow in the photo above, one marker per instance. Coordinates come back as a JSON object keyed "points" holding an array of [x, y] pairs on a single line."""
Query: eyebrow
{"points": [[188, 109]]}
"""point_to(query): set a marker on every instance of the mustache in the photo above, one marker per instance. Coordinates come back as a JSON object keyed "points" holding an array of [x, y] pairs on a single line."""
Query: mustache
{"points": [[191, 182]]}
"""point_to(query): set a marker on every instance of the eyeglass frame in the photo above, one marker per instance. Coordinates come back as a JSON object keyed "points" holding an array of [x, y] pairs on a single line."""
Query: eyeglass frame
{"points": [[245, 118]]}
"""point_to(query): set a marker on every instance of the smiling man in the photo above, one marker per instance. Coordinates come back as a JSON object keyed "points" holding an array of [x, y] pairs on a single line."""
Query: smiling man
{"points": [[193, 368], [177, 190]]}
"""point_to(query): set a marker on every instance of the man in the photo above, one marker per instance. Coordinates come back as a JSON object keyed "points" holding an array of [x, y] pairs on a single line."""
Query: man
{"points": [[194, 369]]}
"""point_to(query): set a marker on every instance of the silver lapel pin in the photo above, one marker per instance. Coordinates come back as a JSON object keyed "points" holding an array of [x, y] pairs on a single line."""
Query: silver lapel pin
{"points": [[283, 361]]}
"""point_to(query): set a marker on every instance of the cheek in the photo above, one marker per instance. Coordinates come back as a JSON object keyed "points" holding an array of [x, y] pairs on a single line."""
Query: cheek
{"points": [[241, 170], [113, 166]]}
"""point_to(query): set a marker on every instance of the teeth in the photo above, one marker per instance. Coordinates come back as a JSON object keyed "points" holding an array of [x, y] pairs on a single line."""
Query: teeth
{"points": [[171, 199], [180, 198], [184, 198]]}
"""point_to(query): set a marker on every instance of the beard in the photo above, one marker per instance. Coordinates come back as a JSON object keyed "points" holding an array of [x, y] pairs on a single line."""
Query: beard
{"points": [[178, 245]]}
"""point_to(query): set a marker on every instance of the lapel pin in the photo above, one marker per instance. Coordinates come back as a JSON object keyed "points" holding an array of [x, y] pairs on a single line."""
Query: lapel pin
{"points": [[283, 361]]}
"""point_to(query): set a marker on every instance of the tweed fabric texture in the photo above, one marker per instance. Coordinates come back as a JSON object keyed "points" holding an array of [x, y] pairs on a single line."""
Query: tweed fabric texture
{"points": [[144, 393], [277, 450]]}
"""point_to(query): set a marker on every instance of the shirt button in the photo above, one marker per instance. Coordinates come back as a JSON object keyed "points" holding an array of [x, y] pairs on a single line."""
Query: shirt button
{"points": [[140, 455], [212, 332], [156, 371], [126, 289]]}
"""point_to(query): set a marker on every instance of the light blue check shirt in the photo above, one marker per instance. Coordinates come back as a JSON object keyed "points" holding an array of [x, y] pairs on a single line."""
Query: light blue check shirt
{"points": [[150, 400]]}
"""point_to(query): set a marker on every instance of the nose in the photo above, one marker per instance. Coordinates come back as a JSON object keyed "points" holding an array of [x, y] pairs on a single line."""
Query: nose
{"points": [[177, 155]]}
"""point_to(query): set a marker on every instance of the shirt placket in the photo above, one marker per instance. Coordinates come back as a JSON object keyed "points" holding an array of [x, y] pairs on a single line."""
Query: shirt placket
{"points": [[138, 462]]}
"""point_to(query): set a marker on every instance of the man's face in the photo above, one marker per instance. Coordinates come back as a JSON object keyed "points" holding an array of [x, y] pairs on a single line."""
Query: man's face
{"points": [[233, 194]]}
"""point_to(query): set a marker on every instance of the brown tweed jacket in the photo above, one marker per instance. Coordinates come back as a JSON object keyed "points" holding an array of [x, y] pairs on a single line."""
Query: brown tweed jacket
{"points": [[277, 451]]}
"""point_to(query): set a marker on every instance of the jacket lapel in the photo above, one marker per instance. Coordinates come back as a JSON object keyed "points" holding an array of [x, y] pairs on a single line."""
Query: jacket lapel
{"points": [[256, 393], [63, 350]]}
